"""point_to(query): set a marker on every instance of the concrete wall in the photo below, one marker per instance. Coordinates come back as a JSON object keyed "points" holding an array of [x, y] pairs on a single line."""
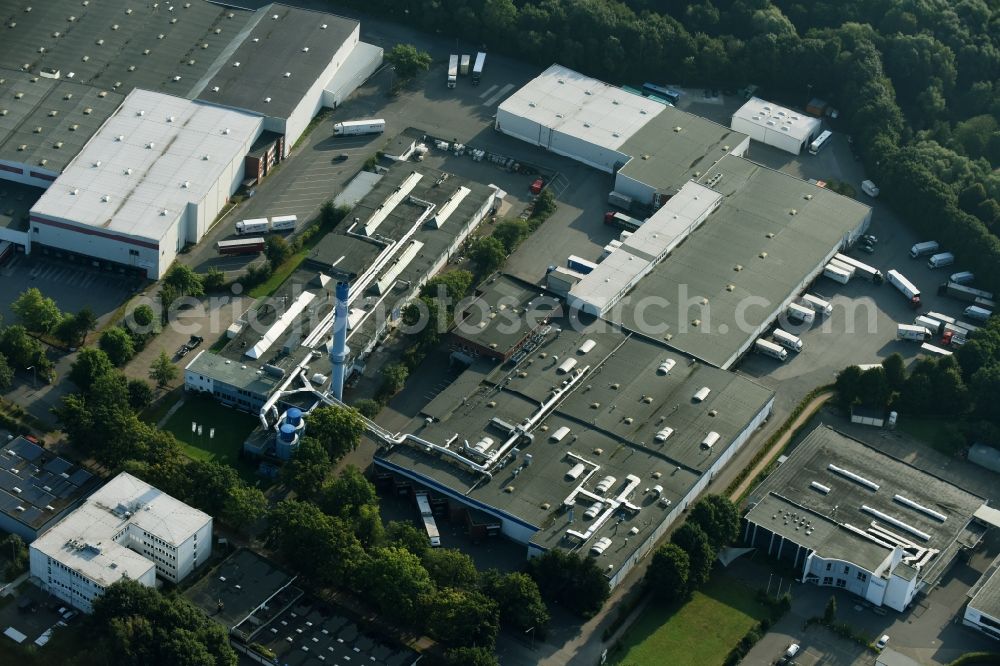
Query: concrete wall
{"points": [[984, 622], [69, 586], [363, 61], [573, 147], [772, 136], [27, 174], [195, 551]]}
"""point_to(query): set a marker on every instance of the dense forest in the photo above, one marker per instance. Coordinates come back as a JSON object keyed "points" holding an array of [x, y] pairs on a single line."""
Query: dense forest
{"points": [[917, 82]]}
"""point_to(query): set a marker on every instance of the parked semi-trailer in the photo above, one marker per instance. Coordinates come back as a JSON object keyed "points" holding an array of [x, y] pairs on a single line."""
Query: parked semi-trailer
{"points": [[869, 272], [912, 332], [463, 67], [933, 325], [477, 69], [579, 264], [801, 313], [771, 349], [621, 221], [818, 304], [452, 70], [907, 288], [940, 260], [838, 273], [923, 249], [977, 313], [787, 340], [963, 277], [934, 350], [944, 319], [241, 246], [255, 226], [356, 127], [963, 292]]}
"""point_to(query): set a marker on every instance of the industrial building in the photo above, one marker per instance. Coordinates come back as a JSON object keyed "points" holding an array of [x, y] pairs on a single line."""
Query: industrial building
{"points": [[983, 610], [593, 441], [69, 73], [651, 148], [776, 126], [845, 515], [150, 181], [37, 488], [271, 619], [127, 529]]}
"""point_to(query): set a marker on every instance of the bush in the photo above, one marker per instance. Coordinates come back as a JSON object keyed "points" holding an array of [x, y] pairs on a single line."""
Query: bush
{"points": [[368, 408]]}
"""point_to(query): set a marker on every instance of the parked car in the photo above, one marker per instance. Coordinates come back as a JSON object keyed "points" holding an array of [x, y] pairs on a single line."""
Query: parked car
{"points": [[882, 642], [867, 248], [343, 157], [869, 238], [194, 341], [793, 650]]}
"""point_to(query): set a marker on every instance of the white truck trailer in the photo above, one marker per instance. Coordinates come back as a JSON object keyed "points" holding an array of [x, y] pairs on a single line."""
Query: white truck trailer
{"points": [[905, 287], [801, 313], [358, 127], [463, 68], [928, 322], [838, 272], [870, 272], [771, 349], [452, 70], [934, 350], [940, 260], [283, 222], [912, 332], [787, 340], [818, 304], [477, 69], [254, 226], [977, 313], [923, 249]]}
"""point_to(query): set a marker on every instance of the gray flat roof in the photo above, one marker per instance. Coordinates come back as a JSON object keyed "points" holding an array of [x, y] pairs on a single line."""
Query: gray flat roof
{"points": [[665, 158], [40, 483], [232, 367], [490, 321], [985, 595], [45, 122], [722, 262], [280, 40], [612, 417], [240, 584], [787, 503]]}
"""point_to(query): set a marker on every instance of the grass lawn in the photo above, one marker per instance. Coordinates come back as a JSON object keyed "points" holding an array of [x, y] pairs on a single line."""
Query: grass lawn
{"points": [[231, 429], [279, 276], [939, 434], [700, 632]]}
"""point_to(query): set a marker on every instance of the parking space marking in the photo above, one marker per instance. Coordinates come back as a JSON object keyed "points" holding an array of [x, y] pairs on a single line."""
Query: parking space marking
{"points": [[488, 91], [496, 98]]}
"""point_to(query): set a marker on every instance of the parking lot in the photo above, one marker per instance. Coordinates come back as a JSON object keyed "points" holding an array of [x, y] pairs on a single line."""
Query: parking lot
{"points": [[33, 612]]}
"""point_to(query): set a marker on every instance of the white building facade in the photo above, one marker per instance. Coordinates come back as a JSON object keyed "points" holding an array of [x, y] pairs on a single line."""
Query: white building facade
{"points": [[127, 529], [776, 126]]}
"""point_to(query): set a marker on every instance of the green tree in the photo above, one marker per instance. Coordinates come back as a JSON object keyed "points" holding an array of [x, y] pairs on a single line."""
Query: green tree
{"points": [[306, 472], [338, 429], [73, 329], [6, 374], [407, 60], [367, 525], [463, 617], [545, 205], [873, 388], [985, 383], [15, 551], [346, 494], [669, 573], [848, 386], [184, 280], [162, 371], [830, 612], [690, 538], [520, 602], [487, 254], [511, 233], [398, 583], [319, 546], [277, 250], [570, 580], [394, 377], [244, 504], [470, 656], [21, 349], [117, 344], [405, 535], [895, 371], [448, 567], [144, 317], [719, 518], [368, 408], [455, 284], [213, 280], [140, 394], [38, 313], [90, 365]]}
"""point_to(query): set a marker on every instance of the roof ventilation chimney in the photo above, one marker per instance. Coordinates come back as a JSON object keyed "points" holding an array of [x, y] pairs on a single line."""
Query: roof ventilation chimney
{"points": [[105, 198]]}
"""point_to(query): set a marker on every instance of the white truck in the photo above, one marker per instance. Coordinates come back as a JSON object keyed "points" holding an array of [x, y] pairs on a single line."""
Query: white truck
{"points": [[933, 325], [838, 273], [940, 260], [907, 288], [977, 313], [463, 68], [787, 340], [923, 249], [801, 313], [963, 277], [870, 272], [869, 188], [770, 349], [934, 350], [452, 70], [818, 304], [912, 332], [283, 222], [477, 69], [254, 226], [358, 127]]}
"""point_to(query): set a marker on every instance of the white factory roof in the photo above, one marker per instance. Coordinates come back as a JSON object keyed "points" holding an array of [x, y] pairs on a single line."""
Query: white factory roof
{"points": [[84, 540], [641, 251], [771, 116], [580, 106], [155, 155]]}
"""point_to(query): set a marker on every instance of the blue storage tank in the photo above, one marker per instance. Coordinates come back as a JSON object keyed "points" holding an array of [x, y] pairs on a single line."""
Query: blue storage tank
{"points": [[287, 441], [293, 416]]}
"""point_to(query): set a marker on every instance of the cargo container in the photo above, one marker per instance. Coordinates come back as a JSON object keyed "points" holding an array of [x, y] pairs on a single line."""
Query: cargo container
{"points": [[823, 139], [801, 313], [620, 201], [241, 246], [909, 332], [923, 249], [579, 264], [963, 292], [953, 336], [358, 127], [940, 260], [907, 288], [964, 277], [787, 340], [870, 272], [283, 222], [477, 69], [818, 304], [452, 70], [933, 350], [771, 349], [928, 322], [621, 221], [463, 67], [254, 226], [976, 313], [944, 319], [837, 273]]}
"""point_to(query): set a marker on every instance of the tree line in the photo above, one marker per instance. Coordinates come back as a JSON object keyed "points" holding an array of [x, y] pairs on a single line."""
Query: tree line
{"points": [[915, 82]]}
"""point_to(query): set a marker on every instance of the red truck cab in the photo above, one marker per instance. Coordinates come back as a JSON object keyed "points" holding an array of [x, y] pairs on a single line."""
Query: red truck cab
{"points": [[536, 187]]}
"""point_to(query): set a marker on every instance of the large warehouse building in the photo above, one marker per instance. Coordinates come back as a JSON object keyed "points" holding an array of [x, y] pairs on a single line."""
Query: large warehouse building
{"points": [[151, 180], [592, 441], [66, 69], [848, 516], [127, 529], [776, 126]]}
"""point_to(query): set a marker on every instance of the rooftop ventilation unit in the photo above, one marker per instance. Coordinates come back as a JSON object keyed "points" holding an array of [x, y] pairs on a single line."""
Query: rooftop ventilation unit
{"points": [[288, 75], [150, 145], [236, 64], [305, 49], [857, 478], [106, 198], [176, 79], [267, 100], [816, 485], [186, 184], [323, 27], [666, 366], [905, 501], [896, 522], [701, 394]]}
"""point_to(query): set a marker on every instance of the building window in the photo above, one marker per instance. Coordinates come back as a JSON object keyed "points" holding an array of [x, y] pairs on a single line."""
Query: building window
{"points": [[862, 576], [841, 582], [847, 569], [827, 580], [829, 565]]}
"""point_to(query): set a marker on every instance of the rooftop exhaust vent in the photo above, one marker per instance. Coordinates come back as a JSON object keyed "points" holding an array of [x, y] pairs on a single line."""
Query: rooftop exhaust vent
{"points": [[57, 144], [288, 75], [267, 100], [74, 191], [146, 52], [120, 138], [205, 157], [87, 111], [186, 184], [97, 163], [150, 145], [215, 88], [176, 79], [100, 42], [106, 198], [131, 68], [225, 130], [140, 112], [305, 49], [323, 27], [236, 64], [114, 26]]}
